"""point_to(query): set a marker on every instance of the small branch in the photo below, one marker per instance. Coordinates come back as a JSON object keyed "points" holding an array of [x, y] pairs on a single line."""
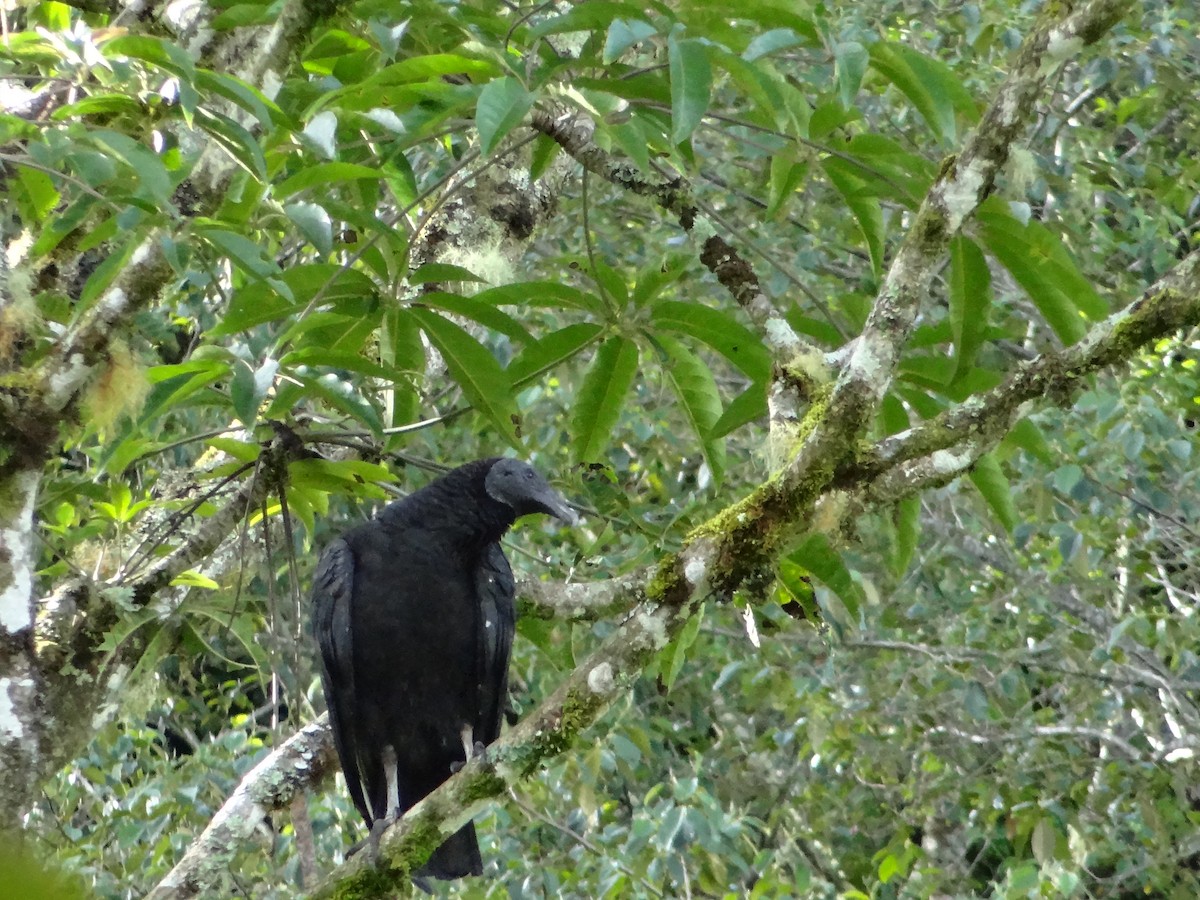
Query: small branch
{"points": [[305, 758], [579, 601]]}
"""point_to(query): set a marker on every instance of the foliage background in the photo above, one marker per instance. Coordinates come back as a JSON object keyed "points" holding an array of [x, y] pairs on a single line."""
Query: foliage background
{"points": [[987, 688]]}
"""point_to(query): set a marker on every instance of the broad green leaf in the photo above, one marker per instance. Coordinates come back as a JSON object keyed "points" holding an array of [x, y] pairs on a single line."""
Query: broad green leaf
{"points": [[1028, 436], [475, 370], [926, 94], [677, 650], [314, 223], [746, 407], [100, 279], [550, 351], [691, 84], [907, 518], [786, 176], [697, 392], [342, 395], [818, 557], [323, 174], [249, 255], [850, 60], [244, 15], [623, 34], [601, 397], [719, 330], [989, 480], [237, 141], [551, 294], [249, 387], [503, 104], [342, 360], [771, 42], [970, 301], [484, 313], [1052, 285], [148, 166], [863, 204], [593, 15], [244, 95], [192, 578]]}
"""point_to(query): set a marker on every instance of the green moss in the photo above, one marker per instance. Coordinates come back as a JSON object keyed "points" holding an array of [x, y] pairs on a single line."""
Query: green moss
{"points": [[483, 786], [667, 584]]}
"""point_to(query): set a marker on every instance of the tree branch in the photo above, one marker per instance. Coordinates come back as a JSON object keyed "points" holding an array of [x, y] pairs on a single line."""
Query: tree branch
{"points": [[304, 759]]}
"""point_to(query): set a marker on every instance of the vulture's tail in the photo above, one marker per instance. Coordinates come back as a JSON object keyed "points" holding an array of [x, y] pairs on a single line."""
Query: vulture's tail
{"points": [[457, 857]]}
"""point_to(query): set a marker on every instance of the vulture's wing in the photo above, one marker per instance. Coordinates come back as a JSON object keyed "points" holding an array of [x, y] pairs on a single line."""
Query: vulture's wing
{"points": [[333, 587], [497, 621]]}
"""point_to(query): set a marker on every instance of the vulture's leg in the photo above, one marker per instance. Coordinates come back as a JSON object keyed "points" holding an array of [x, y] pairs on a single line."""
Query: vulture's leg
{"points": [[471, 748]]}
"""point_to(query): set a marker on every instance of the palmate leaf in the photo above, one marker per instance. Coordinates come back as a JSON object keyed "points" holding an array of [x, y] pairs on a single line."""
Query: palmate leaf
{"points": [[598, 404], [476, 371], [551, 350], [697, 391]]}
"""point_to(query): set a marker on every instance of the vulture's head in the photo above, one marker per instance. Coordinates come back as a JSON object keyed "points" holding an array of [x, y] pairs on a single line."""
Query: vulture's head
{"points": [[518, 485]]}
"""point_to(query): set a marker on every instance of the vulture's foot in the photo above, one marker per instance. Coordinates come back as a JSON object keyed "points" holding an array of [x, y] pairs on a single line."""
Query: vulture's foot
{"points": [[478, 751]]}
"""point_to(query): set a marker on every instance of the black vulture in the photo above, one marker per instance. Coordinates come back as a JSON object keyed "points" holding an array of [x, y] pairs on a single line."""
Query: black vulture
{"points": [[414, 616]]}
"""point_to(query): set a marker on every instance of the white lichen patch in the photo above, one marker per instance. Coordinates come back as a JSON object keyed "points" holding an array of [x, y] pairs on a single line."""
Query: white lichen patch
{"points": [[600, 679], [11, 726], [1061, 45], [694, 571], [651, 624], [782, 338], [67, 381], [950, 462], [16, 542], [961, 195]]}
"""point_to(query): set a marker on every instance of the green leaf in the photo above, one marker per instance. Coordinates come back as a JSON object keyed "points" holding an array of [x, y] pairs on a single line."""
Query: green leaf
{"points": [[601, 397], [720, 331], [246, 253], [989, 480], [237, 141], [786, 176], [249, 387], [691, 84], [749, 405], [550, 294], [314, 223], [907, 519], [341, 394], [697, 392], [863, 204], [192, 578], [476, 371], [479, 311], [970, 301], [816, 556], [850, 64], [502, 106], [1028, 436], [623, 34], [926, 92], [677, 650], [324, 174], [551, 350], [1038, 262]]}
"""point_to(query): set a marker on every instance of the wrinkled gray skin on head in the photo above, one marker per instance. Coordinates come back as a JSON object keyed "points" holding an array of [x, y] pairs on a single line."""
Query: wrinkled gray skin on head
{"points": [[516, 484]]}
